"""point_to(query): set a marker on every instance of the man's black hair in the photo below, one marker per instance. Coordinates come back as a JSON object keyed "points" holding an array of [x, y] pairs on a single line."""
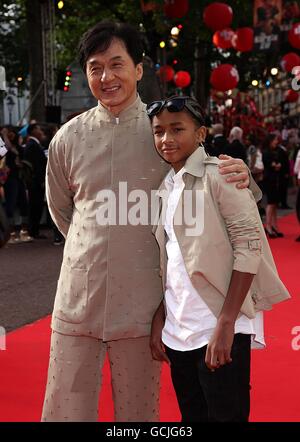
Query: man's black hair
{"points": [[99, 38]]}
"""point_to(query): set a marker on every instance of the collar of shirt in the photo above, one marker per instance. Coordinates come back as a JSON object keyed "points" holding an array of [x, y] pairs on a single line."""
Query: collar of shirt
{"points": [[195, 166], [174, 178], [34, 139], [135, 110]]}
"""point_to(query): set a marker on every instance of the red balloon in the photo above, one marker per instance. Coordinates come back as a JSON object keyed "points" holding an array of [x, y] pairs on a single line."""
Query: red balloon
{"points": [[223, 39], [166, 73], [182, 79], [217, 16], [243, 39], [148, 7], [176, 8], [294, 35], [289, 61], [291, 96], [224, 77]]}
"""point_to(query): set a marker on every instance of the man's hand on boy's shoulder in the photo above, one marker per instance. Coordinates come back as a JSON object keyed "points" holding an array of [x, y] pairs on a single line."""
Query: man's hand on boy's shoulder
{"points": [[237, 166]]}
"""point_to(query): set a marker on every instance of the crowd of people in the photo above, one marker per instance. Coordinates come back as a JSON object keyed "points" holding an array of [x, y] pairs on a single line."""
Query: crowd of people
{"points": [[22, 181], [272, 162]]}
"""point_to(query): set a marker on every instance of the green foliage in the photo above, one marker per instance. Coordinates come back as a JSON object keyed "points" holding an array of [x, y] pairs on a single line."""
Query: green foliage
{"points": [[77, 16], [13, 37]]}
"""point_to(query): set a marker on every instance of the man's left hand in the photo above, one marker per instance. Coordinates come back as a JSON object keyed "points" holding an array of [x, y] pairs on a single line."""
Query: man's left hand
{"points": [[237, 166]]}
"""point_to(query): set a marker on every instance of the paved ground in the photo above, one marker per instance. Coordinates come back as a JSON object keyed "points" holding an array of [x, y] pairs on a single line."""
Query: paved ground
{"points": [[28, 277]]}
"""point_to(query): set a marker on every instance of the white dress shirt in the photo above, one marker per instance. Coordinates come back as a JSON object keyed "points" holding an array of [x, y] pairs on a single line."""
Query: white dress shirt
{"points": [[189, 322]]}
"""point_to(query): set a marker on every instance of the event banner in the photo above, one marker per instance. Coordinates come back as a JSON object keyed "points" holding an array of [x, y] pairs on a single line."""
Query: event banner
{"points": [[272, 19]]}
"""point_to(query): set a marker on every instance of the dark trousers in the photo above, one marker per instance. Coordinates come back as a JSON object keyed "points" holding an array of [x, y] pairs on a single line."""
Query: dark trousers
{"points": [[15, 197], [36, 206], [283, 190], [206, 396]]}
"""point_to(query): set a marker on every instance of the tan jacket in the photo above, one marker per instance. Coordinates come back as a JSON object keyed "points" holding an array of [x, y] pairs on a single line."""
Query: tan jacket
{"points": [[109, 284], [233, 238]]}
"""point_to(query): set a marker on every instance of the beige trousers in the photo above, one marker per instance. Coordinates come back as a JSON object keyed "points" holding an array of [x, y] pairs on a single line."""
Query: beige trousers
{"points": [[74, 379]]}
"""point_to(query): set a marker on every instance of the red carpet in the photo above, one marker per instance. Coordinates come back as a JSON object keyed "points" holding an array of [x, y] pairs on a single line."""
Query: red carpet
{"points": [[275, 370]]}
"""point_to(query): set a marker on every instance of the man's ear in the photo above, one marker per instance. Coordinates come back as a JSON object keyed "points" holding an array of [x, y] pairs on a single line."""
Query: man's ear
{"points": [[139, 71], [201, 134]]}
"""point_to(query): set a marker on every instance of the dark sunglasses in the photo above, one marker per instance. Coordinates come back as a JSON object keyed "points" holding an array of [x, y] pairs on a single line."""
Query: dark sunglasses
{"points": [[176, 104]]}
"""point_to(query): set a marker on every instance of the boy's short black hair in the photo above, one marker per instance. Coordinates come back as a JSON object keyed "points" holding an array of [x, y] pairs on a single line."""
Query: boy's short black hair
{"points": [[199, 109], [198, 115], [99, 38]]}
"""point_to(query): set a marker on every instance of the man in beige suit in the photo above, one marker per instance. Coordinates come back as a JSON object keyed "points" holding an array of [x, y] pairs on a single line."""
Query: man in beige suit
{"points": [[109, 285]]}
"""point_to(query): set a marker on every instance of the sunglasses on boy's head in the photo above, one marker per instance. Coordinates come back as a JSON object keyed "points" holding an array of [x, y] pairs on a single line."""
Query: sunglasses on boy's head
{"points": [[176, 104]]}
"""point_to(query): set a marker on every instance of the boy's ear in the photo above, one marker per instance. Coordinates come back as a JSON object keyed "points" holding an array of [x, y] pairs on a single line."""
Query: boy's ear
{"points": [[201, 134]]}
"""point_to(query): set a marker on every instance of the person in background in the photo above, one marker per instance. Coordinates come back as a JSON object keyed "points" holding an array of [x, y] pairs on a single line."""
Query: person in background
{"points": [[219, 144], [236, 148], [34, 154], [272, 166], [284, 176], [251, 149], [14, 188], [256, 166], [58, 238]]}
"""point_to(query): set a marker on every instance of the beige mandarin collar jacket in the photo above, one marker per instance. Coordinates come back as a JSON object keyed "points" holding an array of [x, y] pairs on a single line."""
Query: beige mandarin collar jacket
{"points": [[232, 238], [109, 284]]}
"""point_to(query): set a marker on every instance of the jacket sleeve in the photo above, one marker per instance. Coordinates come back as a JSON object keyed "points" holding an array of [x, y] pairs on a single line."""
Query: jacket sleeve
{"points": [[239, 212], [58, 193]]}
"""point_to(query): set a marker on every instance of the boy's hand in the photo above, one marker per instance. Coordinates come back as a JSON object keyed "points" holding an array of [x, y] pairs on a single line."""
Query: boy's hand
{"points": [[231, 165], [156, 345], [219, 346]]}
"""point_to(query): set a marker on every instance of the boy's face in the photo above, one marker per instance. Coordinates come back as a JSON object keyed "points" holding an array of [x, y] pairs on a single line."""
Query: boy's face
{"points": [[112, 77], [176, 136]]}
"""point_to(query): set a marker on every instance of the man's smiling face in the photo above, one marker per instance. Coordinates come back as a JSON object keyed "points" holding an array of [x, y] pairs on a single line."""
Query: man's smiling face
{"points": [[112, 77]]}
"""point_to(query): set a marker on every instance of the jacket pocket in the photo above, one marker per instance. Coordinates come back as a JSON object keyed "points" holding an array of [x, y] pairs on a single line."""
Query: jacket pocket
{"points": [[72, 294]]}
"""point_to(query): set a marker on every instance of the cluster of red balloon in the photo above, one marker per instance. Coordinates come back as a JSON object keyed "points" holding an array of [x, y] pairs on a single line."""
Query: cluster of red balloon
{"points": [[181, 78], [289, 61], [218, 17], [175, 9]]}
